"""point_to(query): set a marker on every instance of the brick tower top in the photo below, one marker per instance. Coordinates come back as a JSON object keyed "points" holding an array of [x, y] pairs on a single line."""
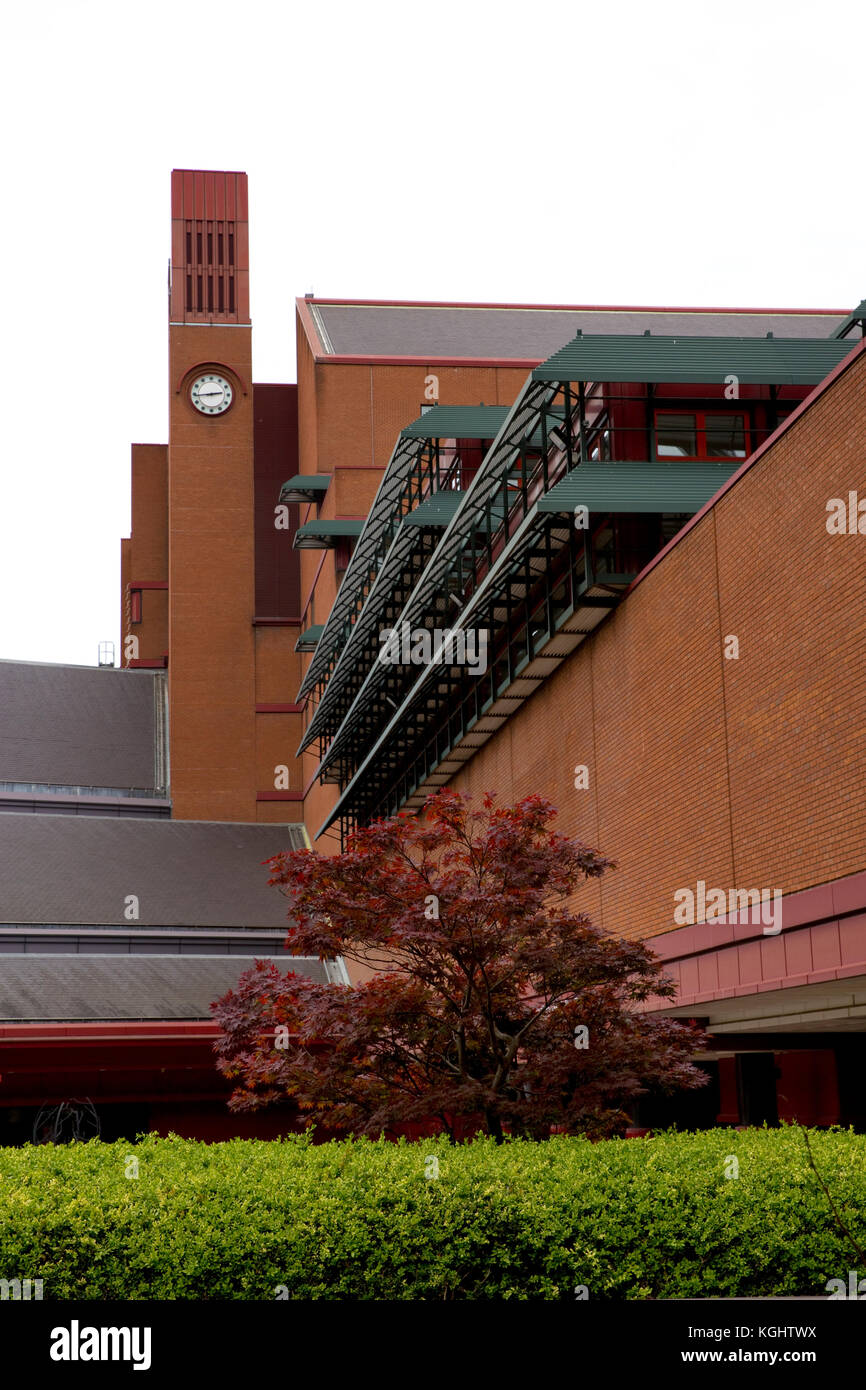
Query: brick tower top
{"points": [[209, 247]]}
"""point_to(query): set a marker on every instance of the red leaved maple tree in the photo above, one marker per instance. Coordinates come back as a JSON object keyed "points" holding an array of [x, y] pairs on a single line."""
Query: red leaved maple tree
{"points": [[494, 1003]]}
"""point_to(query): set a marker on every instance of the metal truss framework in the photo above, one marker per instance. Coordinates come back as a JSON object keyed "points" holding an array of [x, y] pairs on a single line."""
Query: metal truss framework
{"points": [[511, 563]]}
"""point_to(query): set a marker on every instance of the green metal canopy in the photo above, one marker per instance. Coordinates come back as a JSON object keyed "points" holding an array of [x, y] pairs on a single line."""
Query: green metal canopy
{"points": [[308, 639], [638, 487], [856, 317], [305, 487], [753, 361], [435, 510], [458, 422], [323, 535]]}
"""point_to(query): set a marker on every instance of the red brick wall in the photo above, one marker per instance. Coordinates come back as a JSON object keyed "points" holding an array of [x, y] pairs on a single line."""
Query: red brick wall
{"points": [[145, 554], [745, 773], [211, 585]]}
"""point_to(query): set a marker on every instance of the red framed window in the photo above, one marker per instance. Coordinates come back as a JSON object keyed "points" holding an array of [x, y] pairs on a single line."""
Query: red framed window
{"points": [[135, 605], [701, 434]]}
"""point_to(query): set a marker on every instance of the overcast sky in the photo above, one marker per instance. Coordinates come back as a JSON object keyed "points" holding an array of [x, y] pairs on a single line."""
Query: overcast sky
{"points": [[645, 154]]}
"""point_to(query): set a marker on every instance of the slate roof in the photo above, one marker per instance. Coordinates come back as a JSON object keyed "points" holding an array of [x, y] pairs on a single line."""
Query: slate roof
{"points": [[529, 334], [73, 988], [75, 726], [80, 870]]}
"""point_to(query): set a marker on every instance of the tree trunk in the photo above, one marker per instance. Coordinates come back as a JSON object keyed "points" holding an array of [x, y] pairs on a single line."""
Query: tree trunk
{"points": [[494, 1125]]}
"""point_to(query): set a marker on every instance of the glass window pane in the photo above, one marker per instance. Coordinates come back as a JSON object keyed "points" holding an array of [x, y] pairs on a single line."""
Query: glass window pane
{"points": [[726, 436], [675, 436]]}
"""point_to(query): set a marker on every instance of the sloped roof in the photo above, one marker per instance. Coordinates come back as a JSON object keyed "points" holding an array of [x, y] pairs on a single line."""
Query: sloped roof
{"points": [[69, 988], [78, 870], [531, 333], [75, 726]]}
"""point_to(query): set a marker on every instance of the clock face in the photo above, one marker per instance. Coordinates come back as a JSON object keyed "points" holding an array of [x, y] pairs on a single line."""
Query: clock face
{"points": [[211, 394]]}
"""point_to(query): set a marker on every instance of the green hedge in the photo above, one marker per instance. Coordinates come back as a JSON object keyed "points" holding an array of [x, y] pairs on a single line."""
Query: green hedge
{"points": [[636, 1218]]}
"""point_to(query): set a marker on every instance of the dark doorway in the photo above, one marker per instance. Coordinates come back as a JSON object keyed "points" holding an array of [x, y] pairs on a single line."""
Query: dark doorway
{"points": [[756, 1087], [688, 1110]]}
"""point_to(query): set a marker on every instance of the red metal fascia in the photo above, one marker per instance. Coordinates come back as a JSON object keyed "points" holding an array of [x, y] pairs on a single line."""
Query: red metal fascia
{"points": [[121, 1030], [147, 584], [567, 308], [804, 952], [525, 363], [308, 324]]}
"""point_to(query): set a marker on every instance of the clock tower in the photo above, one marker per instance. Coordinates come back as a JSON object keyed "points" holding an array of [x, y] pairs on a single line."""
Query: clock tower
{"points": [[211, 542]]}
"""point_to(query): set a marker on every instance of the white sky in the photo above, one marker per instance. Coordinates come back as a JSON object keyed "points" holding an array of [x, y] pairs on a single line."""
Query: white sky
{"points": [[633, 153]]}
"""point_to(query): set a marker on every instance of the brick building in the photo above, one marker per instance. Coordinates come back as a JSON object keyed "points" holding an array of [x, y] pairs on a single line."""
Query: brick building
{"points": [[662, 546], [632, 506]]}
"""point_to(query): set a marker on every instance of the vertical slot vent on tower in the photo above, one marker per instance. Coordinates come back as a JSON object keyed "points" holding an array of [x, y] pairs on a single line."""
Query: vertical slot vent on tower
{"points": [[209, 286]]}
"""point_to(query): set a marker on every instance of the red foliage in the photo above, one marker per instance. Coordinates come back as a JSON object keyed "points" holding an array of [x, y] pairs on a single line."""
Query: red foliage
{"points": [[484, 976]]}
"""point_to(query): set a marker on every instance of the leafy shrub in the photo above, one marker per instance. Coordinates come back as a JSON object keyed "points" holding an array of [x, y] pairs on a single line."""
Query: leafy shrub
{"points": [[363, 1219]]}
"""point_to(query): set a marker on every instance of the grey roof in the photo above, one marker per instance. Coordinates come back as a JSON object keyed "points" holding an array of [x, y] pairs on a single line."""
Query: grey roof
{"points": [[78, 870], [69, 988], [75, 726], [427, 331]]}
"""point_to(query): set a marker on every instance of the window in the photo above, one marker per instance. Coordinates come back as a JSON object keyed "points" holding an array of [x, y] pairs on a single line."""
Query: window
{"points": [[135, 605], [343, 552], [700, 434], [599, 441]]}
